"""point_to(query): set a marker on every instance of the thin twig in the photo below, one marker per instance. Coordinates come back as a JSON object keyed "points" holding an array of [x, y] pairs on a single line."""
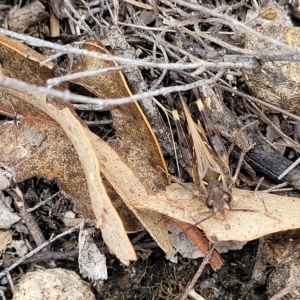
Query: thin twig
{"points": [[166, 29], [260, 181], [45, 256], [266, 55], [276, 190], [172, 136], [232, 7], [36, 250], [164, 72], [11, 283], [81, 22], [199, 272], [98, 122], [29, 220], [290, 168], [29, 210], [72, 254], [51, 57], [276, 187], [236, 92], [70, 77], [91, 12], [256, 100], [197, 34], [259, 113], [68, 96], [92, 107], [72, 50], [176, 8]]}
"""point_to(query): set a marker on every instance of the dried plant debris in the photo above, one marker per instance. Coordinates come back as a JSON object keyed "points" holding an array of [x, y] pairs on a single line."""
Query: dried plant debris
{"points": [[275, 82], [19, 19], [92, 262], [281, 252], [6, 175], [225, 51], [5, 239], [7, 215], [185, 247]]}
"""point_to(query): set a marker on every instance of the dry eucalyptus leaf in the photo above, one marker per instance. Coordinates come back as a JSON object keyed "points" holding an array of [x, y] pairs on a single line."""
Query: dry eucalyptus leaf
{"points": [[40, 147], [120, 176], [20, 61], [33, 147], [155, 225], [109, 222], [53, 284], [92, 263], [5, 239], [107, 218], [136, 143], [240, 225], [27, 156], [140, 152], [129, 187], [125, 181]]}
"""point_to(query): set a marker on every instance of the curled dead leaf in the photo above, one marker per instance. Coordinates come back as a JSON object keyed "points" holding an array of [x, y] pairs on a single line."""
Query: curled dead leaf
{"points": [[136, 143]]}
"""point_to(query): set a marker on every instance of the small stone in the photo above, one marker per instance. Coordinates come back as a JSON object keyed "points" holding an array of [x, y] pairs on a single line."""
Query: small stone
{"points": [[53, 284]]}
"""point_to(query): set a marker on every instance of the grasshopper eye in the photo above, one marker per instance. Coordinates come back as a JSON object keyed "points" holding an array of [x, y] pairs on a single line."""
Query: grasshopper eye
{"points": [[209, 202], [226, 196]]}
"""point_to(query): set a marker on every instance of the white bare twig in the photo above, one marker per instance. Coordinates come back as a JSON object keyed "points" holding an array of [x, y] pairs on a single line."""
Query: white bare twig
{"points": [[72, 50], [143, 63], [29, 210], [57, 80], [68, 96], [199, 272]]}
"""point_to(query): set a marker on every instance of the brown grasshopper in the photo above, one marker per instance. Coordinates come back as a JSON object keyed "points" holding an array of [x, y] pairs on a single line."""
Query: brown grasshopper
{"points": [[208, 166]]}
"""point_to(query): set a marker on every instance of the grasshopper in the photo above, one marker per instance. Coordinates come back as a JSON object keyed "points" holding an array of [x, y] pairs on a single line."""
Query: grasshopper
{"points": [[210, 168]]}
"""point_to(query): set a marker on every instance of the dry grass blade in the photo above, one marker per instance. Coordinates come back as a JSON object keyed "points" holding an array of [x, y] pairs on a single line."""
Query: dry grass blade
{"points": [[184, 142]]}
